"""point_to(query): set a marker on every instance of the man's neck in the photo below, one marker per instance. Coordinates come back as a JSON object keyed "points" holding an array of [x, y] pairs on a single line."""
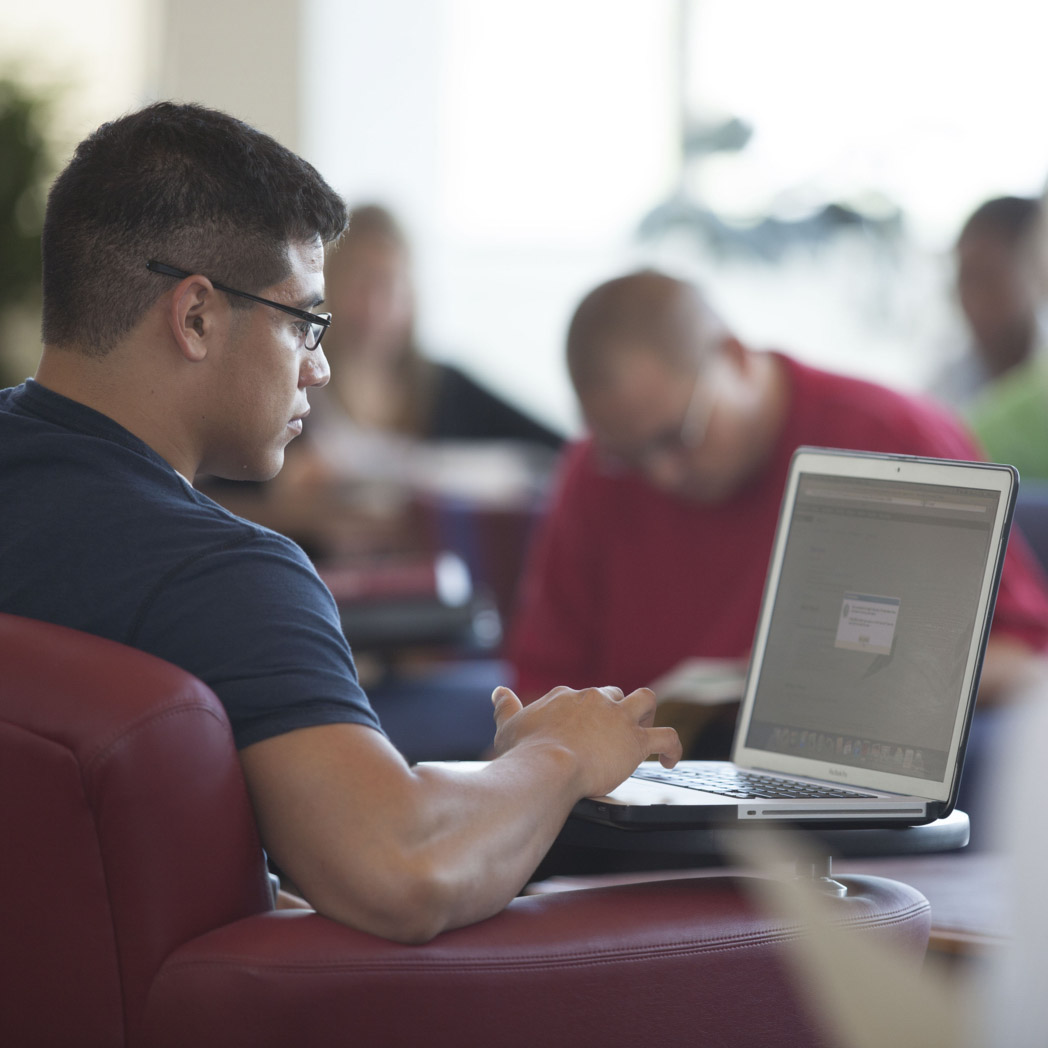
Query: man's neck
{"points": [[103, 385]]}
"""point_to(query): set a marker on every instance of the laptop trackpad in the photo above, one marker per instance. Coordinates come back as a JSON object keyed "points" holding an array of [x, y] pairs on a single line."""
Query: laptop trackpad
{"points": [[644, 791]]}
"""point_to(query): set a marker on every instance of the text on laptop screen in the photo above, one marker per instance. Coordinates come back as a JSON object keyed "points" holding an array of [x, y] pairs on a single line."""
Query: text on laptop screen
{"points": [[880, 585]]}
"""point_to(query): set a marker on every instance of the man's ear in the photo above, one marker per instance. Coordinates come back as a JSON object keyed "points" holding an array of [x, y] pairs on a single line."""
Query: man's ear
{"points": [[192, 316]]}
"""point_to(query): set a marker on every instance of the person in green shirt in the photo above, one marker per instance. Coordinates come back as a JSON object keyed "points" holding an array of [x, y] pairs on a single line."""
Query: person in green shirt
{"points": [[1010, 419]]}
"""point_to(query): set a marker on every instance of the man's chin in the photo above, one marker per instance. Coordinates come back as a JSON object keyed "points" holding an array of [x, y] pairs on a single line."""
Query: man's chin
{"points": [[708, 492], [255, 472]]}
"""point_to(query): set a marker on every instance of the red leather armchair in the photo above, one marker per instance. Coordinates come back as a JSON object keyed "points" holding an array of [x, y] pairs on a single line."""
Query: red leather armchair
{"points": [[135, 907]]}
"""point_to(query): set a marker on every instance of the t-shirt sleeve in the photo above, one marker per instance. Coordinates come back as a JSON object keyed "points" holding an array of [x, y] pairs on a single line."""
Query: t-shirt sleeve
{"points": [[555, 635], [253, 619]]}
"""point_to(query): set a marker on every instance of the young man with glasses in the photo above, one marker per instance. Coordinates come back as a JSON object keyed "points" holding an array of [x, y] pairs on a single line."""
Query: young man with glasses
{"points": [[655, 548], [183, 271]]}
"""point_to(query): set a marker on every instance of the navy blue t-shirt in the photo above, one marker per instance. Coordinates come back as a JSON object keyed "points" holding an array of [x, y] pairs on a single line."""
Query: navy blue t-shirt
{"points": [[99, 533]]}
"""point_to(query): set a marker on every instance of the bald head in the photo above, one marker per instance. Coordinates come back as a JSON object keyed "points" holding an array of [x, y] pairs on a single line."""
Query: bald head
{"points": [[647, 312], [668, 393]]}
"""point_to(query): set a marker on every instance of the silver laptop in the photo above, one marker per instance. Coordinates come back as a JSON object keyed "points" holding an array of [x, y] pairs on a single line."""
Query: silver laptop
{"points": [[866, 660]]}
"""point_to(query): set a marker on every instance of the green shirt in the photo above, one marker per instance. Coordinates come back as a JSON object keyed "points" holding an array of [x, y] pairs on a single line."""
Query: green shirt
{"points": [[1010, 418]]}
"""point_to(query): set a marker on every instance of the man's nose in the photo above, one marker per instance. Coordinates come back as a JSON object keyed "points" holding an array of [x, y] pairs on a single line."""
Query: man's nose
{"points": [[315, 369]]}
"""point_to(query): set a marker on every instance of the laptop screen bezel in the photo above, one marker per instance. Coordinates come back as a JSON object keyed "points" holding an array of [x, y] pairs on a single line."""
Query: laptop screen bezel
{"points": [[847, 464]]}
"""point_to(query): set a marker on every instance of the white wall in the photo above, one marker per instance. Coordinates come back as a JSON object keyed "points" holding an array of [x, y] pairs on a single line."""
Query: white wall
{"points": [[517, 141], [95, 56], [242, 56], [371, 103], [522, 142]]}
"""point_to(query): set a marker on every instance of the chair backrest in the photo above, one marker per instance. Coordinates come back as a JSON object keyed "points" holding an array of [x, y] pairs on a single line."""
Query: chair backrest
{"points": [[126, 831]]}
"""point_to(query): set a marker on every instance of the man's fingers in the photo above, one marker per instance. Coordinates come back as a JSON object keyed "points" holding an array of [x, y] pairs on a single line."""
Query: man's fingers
{"points": [[641, 695], [641, 703], [506, 703], [666, 743], [663, 741]]}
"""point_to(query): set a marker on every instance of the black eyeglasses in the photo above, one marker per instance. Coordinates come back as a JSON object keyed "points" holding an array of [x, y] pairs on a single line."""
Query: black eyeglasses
{"points": [[317, 323]]}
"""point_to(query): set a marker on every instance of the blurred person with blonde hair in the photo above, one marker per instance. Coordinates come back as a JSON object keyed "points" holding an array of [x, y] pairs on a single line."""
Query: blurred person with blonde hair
{"points": [[393, 425], [381, 379]]}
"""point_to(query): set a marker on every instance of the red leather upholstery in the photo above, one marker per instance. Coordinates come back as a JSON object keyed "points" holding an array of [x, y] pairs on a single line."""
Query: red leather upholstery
{"points": [[135, 909], [678, 962], [126, 831]]}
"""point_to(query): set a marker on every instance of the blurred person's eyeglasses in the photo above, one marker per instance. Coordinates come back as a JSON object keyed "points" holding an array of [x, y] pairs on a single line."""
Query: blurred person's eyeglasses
{"points": [[677, 442], [314, 324]]}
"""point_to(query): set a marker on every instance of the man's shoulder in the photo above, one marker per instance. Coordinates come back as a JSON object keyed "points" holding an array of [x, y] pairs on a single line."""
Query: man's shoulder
{"points": [[32, 413], [819, 382], [97, 483], [851, 411], [16, 406], [584, 473]]}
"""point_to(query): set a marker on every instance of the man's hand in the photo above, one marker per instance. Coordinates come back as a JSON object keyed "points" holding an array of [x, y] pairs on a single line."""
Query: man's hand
{"points": [[606, 733]]}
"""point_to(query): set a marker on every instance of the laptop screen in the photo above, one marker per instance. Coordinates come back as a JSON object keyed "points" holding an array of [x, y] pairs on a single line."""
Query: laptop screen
{"points": [[872, 622]]}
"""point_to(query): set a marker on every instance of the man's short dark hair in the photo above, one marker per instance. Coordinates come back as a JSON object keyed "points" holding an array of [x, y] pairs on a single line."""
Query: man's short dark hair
{"points": [[1009, 218], [189, 186]]}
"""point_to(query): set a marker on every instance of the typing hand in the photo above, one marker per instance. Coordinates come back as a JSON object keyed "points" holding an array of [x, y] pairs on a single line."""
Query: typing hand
{"points": [[606, 734]]}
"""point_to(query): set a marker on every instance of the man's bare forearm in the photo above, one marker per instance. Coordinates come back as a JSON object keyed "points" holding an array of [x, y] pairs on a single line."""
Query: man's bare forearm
{"points": [[488, 830], [409, 852], [440, 848]]}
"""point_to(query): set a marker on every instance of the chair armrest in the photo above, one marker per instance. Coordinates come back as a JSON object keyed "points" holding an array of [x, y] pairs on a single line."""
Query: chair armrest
{"points": [[605, 966]]}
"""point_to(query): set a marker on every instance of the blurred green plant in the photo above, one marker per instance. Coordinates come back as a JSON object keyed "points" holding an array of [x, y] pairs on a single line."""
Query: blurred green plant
{"points": [[26, 165]]}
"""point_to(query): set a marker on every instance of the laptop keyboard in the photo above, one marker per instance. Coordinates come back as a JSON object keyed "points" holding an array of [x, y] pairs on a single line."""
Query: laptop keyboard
{"points": [[743, 785]]}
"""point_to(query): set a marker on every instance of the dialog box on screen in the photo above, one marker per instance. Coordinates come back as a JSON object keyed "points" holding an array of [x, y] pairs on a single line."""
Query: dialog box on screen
{"points": [[867, 623]]}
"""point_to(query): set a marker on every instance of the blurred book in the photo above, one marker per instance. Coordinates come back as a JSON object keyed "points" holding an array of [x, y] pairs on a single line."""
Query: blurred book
{"points": [[702, 682], [696, 694]]}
